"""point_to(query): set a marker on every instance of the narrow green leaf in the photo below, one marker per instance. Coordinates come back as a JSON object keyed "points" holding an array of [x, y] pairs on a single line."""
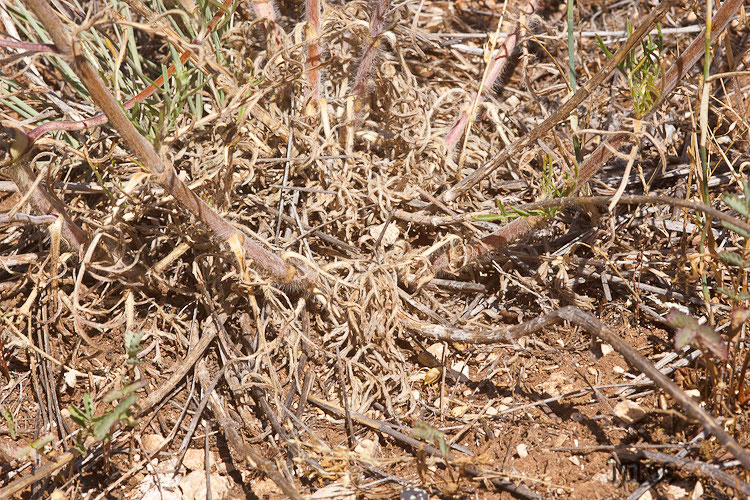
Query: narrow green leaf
{"points": [[8, 416], [78, 416], [737, 204], [736, 296], [490, 217], [733, 259], [736, 229], [133, 343], [88, 405], [103, 427]]}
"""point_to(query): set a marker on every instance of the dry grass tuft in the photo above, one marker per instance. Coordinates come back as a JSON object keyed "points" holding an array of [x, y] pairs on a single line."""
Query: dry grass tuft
{"points": [[329, 144]]}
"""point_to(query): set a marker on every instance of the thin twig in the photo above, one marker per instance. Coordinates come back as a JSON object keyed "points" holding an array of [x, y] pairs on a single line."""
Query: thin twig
{"points": [[684, 464]]}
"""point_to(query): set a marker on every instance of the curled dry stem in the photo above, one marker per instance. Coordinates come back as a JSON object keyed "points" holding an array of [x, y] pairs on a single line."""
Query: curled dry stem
{"points": [[16, 160]]}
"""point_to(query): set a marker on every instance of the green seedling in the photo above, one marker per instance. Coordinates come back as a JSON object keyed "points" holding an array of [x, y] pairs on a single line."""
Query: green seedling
{"points": [[550, 181], [101, 427], [426, 432], [133, 346], [642, 70], [34, 448], [8, 417], [689, 331]]}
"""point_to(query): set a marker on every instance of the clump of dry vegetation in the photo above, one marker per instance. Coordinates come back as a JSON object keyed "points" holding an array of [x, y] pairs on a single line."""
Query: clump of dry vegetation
{"points": [[354, 249]]}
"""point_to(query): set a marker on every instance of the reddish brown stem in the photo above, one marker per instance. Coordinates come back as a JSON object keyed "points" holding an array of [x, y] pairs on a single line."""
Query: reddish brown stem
{"points": [[164, 173], [367, 63], [266, 10], [741, 397], [496, 67], [101, 118], [312, 12], [28, 46]]}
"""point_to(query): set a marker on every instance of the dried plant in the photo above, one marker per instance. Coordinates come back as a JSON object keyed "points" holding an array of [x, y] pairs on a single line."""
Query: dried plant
{"points": [[247, 251], [369, 54]]}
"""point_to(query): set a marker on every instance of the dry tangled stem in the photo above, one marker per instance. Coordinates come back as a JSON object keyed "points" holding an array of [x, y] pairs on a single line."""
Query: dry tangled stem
{"points": [[287, 224]]}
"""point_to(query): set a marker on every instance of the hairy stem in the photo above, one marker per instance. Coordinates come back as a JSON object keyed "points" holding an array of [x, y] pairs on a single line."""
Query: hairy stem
{"points": [[312, 33], [367, 63], [563, 111]]}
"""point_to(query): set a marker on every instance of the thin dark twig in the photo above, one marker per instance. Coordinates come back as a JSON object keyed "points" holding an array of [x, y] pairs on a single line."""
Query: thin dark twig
{"points": [[704, 468], [405, 440], [207, 462], [639, 200]]}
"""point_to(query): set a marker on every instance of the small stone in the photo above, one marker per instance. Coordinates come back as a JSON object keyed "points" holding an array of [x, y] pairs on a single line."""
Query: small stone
{"points": [[437, 350], [693, 393], [618, 369], [195, 459], [459, 411], [461, 368], [193, 486], [675, 492], [522, 450], [697, 491], [491, 411], [606, 349], [629, 412], [152, 442], [413, 494], [70, 379], [367, 448]]}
